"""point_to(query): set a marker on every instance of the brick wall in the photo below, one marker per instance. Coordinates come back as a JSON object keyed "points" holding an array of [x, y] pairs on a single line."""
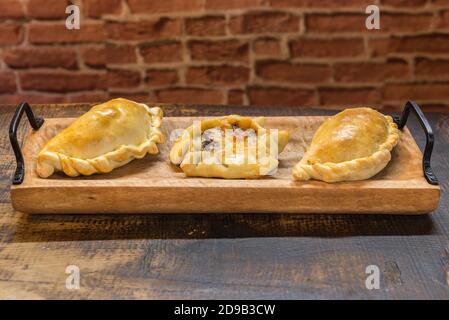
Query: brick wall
{"points": [[258, 52]]}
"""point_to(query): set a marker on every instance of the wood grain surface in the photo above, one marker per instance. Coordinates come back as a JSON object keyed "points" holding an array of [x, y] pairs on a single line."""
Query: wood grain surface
{"points": [[153, 185], [246, 256]]}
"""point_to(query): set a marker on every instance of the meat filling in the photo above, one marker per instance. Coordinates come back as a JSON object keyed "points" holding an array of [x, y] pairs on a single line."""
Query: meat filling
{"points": [[213, 138]]}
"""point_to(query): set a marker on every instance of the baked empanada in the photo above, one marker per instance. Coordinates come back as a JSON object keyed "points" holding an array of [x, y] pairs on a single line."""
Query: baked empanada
{"points": [[230, 147], [108, 136], [355, 144]]}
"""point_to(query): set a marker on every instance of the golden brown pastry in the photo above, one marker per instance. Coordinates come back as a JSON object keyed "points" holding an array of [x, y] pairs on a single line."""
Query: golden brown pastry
{"points": [[246, 153], [355, 144], [108, 136]]}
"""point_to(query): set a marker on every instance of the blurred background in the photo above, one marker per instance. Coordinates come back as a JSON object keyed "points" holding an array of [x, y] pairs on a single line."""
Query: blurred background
{"points": [[246, 52]]}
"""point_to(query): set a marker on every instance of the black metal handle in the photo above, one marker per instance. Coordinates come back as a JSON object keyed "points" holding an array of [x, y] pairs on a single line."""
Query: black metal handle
{"points": [[36, 123], [401, 121]]}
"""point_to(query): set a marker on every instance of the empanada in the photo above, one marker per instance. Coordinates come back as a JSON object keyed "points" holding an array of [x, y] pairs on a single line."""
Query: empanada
{"points": [[355, 144], [108, 136], [230, 147]]}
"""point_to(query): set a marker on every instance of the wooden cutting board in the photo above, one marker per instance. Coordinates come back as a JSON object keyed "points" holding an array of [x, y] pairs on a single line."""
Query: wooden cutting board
{"points": [[153, 185]]}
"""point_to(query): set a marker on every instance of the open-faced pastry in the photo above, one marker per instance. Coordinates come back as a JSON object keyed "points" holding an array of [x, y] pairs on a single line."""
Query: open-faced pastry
{"points": [[355, 144], [229, 147], [108, 136]]}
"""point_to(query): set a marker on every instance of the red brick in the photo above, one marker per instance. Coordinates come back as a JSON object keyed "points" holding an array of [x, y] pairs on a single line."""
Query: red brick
{"points": [[443, 22], [120, 78], [158, 6], [349, 97], [161, 77], [381, 46], [440, 3], [11, 9], [97, 8], [236, 97], [275, 96], [262, 22], [328, 4], [61, 81], [41, 57], [234, 4], [416, 91], [7, 82], [323, 48], [220, 50], [47, 9], [346, 22], [280, 71], [393, 107], [224, 75], [427, 43], [89, 97], [120, 54], [144, 30], [10, 34], [371, 71], [162, 52], [353, 22], [206, 26], [404, 3], [40, 97], [189, 96], [138, 96], [50, 33], [94, 57], [268, 47], [398, 22], [431, 68]]}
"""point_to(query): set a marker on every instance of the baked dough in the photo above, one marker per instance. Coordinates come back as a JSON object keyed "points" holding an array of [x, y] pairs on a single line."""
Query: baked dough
{"points": [[108, 136], [210, 158], [355, 144]]}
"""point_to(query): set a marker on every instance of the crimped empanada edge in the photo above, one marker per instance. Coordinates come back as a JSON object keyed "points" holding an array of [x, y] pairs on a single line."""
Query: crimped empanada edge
{"points": [[357, 169], [49, 161]]}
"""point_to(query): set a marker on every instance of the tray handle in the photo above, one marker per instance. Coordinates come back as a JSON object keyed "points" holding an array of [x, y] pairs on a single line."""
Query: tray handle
{"points": [[36, 123], [402, 120]]}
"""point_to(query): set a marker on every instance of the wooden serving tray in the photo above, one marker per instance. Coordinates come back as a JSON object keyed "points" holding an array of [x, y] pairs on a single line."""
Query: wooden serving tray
{"points": [[153, 185]]}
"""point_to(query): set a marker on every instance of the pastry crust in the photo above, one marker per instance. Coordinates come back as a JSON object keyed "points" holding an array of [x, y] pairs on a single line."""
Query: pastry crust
{"points": [[353, 145], [212, 164], [108, 136]]}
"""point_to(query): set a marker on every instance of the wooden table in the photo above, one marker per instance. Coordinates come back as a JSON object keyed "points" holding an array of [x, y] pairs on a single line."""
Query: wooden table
{"points": [[223, 256]]}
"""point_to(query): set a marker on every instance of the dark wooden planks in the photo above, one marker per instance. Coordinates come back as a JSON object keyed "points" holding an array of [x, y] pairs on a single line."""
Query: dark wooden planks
{"points": [[224, 255]]}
